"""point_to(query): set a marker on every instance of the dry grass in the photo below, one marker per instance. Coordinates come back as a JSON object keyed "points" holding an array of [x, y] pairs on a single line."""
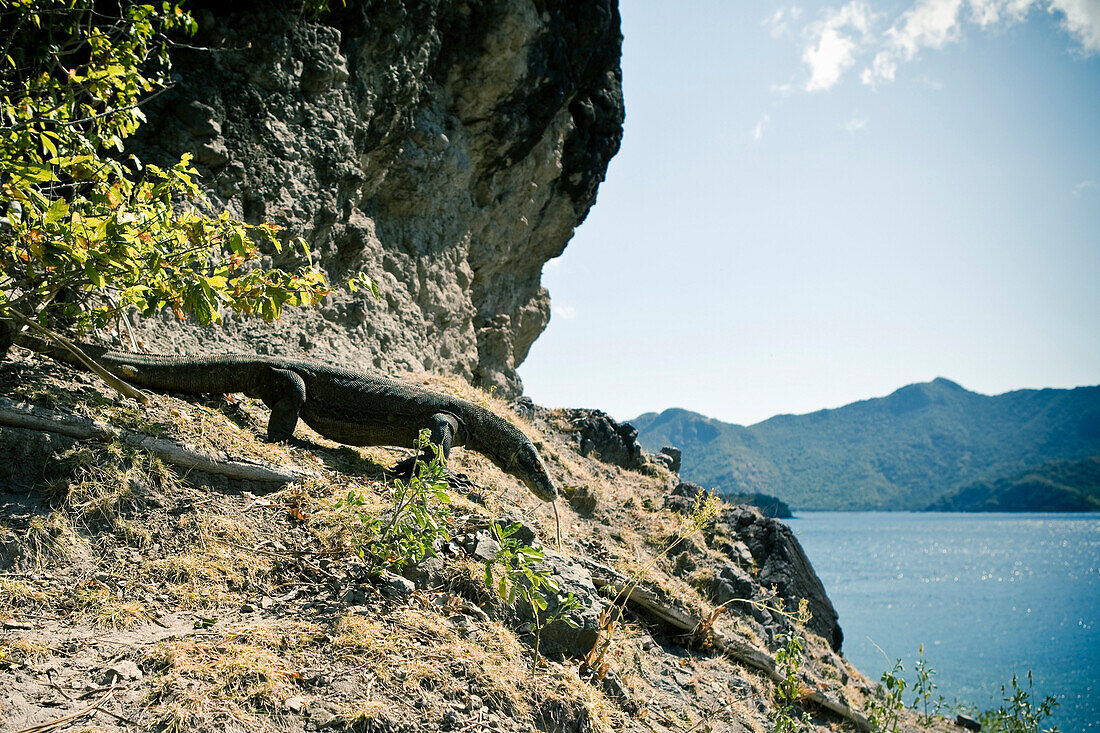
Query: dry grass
{"points": [[14, 652], [338, 531], [51, 540], [418, 652], [18, 595], [108, 483], [105, 610], [244, 673], [218, 567], [358, 637]]}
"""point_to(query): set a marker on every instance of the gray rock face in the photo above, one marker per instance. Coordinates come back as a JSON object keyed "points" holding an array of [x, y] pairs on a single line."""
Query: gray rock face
{"points": [[783, 565], [767, 549], [609, 441], [446, 149]]}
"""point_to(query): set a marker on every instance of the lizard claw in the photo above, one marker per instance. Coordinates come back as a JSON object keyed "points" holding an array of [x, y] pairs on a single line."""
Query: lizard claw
{"points": [[404, 470]]}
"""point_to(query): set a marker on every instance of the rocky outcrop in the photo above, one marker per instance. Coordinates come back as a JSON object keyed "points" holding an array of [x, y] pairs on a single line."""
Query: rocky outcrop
{"points": [[764, 557], [446, 149], [599, 435]]}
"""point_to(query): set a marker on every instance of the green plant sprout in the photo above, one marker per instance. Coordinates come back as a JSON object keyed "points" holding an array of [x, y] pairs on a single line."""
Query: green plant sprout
{"points": [[789, 661], [1019, 714], [524, 575], [925, 688], [416, 519], [884, 706]]}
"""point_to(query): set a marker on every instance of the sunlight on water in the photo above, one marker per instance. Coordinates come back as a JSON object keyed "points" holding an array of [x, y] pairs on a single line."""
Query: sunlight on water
{"points": [[987, 595]]}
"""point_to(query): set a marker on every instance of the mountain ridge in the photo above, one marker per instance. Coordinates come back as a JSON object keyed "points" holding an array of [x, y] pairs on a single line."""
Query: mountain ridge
{"points": [[901, 451]]}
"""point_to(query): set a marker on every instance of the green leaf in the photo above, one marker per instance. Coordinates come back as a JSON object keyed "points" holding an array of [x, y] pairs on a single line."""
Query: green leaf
{"points": [[32, 173], [92, 272], [57, 211]]}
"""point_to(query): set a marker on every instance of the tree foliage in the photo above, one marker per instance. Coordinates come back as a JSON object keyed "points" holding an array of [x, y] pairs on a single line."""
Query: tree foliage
{"points": [[90, 229]]}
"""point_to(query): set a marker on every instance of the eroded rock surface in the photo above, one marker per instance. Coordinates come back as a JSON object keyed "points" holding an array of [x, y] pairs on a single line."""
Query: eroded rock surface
{"points": [[765, 558], [446, 149]]}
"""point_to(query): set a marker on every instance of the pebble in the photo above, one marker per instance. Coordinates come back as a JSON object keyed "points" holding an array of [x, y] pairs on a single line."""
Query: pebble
{"points": [[398, 585], [119, 671]]}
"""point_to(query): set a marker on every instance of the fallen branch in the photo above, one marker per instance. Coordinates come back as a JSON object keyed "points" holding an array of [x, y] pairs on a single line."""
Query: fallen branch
{"points": [[30, 417], [742, 652]]}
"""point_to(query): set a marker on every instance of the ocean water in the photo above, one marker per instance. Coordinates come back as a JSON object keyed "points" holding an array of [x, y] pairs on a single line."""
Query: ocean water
{"points": [[986, 594]]}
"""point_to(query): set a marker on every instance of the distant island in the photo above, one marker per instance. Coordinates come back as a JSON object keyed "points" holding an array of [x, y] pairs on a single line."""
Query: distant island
{"points": [[769, 506], [933, 445]]}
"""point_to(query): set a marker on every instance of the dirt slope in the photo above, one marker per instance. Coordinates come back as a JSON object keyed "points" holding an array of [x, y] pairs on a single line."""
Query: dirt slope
{"points": [[168, 600]]}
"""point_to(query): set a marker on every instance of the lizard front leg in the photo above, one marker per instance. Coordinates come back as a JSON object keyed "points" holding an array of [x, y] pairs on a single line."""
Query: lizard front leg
{"points": [[284, 392], [444, 429]]}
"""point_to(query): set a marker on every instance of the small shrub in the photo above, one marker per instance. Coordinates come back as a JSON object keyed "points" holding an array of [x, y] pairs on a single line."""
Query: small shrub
{"points": [[1020, 714], [524, 577], [789, 660], [408, 531], [885, 705], [925, 688]]}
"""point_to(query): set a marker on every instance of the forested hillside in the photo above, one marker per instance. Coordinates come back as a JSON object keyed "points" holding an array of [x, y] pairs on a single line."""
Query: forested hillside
{"points": [[1061, 486], [902, 451]]}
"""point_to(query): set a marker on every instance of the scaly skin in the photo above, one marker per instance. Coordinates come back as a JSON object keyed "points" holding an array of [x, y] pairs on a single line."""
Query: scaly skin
{"points": [[342, 405]]}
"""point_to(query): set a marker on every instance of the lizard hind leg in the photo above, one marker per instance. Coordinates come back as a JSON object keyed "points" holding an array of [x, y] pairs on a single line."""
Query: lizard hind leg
{"points": [[284, 392]]}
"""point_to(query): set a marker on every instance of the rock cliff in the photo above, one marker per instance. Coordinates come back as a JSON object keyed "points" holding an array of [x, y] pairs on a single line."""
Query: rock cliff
{"points": [[446, 149]]}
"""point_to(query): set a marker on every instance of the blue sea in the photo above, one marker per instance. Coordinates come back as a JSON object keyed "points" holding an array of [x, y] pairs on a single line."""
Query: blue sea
{"points": [[986, 594]]}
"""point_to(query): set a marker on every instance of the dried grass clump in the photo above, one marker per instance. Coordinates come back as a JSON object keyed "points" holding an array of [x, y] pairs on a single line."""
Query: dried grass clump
{"points": [[219, 567], [106, 610], [18, 595], [50, 540], [235, 677], [107, 483], [361, 638], [14, 652]]}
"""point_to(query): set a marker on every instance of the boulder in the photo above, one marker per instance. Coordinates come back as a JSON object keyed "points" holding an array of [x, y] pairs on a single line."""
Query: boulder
{"points": [[783, 565]]}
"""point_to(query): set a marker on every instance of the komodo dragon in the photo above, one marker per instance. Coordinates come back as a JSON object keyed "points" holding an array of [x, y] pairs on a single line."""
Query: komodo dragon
{"points": [[342, 405]]}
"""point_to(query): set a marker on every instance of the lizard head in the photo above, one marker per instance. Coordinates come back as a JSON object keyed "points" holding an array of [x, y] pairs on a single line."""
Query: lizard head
{"points": [[528, 466]]}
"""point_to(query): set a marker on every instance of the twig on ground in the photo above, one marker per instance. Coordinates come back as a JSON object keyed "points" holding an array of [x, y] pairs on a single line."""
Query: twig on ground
{"points": [[58, 723], [115, 383]]}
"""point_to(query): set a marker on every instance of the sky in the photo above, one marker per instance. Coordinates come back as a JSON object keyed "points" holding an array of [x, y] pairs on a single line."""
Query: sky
{"points": [[820, 202]]}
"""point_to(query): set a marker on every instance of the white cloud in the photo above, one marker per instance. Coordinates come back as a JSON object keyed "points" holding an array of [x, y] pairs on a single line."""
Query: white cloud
{"points": [[928, 24], [1081, 19], [779, 21], [991, 12], [854, 125], [833, 44], [758, 131], [883, 68], [565, 312], [847, 36], [1083, 187]]}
